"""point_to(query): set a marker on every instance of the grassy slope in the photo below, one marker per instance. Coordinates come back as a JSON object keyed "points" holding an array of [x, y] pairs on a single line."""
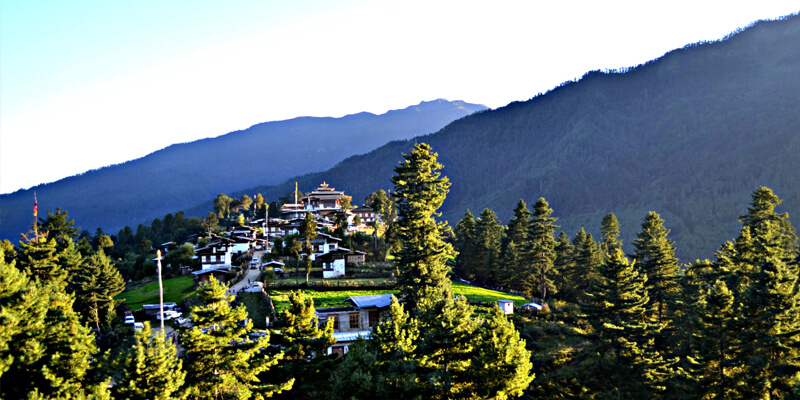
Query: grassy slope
{"points": [[175, 290], [334, 298]]}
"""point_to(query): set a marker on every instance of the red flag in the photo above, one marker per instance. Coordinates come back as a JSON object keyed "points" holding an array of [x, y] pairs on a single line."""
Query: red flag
{"points": [[35, 205]]}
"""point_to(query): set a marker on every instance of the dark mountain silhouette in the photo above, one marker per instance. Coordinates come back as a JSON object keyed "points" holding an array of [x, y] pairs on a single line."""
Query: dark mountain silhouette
{"points": [[689, 135], [182, 175]]}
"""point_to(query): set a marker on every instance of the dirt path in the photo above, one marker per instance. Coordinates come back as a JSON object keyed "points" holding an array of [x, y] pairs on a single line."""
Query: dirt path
{"points": [[251, 276]]}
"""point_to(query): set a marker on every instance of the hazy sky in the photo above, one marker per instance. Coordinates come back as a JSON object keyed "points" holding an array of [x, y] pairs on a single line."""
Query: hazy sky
{"points": [[85, 84]]}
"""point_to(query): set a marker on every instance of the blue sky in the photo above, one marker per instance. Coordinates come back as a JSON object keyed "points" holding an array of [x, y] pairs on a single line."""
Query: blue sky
{"points": [[85, 84]]}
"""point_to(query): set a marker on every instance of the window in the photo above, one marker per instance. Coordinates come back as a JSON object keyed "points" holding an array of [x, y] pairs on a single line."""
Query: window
{"points": [[335, 319], [354, 321], [205, 258], [222, 258], [213, 258], [374, 318]]}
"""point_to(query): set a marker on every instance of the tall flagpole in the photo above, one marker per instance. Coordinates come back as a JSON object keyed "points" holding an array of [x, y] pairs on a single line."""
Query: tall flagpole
{"points": [[35, 217], [160, 290]]}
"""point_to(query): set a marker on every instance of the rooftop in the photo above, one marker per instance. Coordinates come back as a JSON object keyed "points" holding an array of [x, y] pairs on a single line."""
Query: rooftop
{"points": [[371, 301]]}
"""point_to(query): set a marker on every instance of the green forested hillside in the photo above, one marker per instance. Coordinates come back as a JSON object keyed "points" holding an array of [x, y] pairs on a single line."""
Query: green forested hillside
{"points": [[688, 135], [182, 175]]}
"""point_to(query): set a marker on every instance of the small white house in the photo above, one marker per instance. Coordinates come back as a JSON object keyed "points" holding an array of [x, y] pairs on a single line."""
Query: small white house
{"points": [[506, 306], [333, 263]]}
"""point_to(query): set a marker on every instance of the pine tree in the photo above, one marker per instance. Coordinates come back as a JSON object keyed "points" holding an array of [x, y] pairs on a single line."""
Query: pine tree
{"points": [[541, 255], [563, 264], [395, 341], [609, 235], [488, 234], [358, 377], [623, 361], [465, 247], [500, 365], [95, 287], [305, 344], [714, 340], [759, 269], [19, 312], [447, 328], [46, 353], [762, 217], [71, 260], [150, 369], [302, 336], [586, 259], [769, 341], [221, 361], [37, 257], [419, 192], [685, 332], [655, 257], [512, 246], [59, 227]]}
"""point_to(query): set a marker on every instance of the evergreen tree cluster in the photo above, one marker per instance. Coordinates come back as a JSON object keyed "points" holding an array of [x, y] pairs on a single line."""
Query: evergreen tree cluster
{"points": [[621, 326], [641, 325]]}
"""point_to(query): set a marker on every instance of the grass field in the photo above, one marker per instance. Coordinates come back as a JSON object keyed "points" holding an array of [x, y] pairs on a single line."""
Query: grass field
{"points": [[175, 290], [474, 293], [280, 298]]}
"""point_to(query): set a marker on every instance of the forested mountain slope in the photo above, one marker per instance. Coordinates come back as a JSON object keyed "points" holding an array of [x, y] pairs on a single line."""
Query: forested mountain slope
{"points": [[689, 135], [182, 175]]}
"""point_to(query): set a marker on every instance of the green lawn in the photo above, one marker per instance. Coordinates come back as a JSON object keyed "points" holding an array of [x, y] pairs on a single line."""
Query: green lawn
{"points": [[280, 298], [474, 293], [175, 290]]}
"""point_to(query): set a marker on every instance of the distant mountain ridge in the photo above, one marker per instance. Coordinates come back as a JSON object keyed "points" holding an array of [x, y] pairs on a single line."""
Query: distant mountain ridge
{"points": [[181, 175], [689, 135]]}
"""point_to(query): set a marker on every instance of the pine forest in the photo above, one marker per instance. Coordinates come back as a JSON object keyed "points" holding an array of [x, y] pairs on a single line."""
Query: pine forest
{"points": [[598, 323]]}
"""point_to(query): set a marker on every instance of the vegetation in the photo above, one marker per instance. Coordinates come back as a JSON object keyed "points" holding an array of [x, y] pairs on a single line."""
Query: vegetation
{"points": [[179, 176], [176, 290], [688, 135], [613, 325], [419, 192]]}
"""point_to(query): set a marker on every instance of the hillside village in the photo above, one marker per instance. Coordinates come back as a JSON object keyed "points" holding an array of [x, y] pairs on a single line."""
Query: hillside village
{"points": [[257, 307], [256, 239]]}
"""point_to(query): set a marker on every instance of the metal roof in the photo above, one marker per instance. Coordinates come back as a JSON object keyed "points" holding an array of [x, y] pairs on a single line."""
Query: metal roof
{"points": [[371, 301], [532, 305], [220, 268]]}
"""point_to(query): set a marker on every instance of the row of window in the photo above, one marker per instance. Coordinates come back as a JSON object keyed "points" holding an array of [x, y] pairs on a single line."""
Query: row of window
{"points": [[213, 258], [354, 321]]}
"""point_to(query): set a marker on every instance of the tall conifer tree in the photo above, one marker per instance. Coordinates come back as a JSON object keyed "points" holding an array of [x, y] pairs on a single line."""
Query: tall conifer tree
{"points": [[221, 361], [488, 234], [95, 287], [150, 369], [714, 339], [465, 247], [45, 351], [541, 254], [655, 256], [624, 363], [513, 244], [609, 235], [305, 344], [419, 192]]}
